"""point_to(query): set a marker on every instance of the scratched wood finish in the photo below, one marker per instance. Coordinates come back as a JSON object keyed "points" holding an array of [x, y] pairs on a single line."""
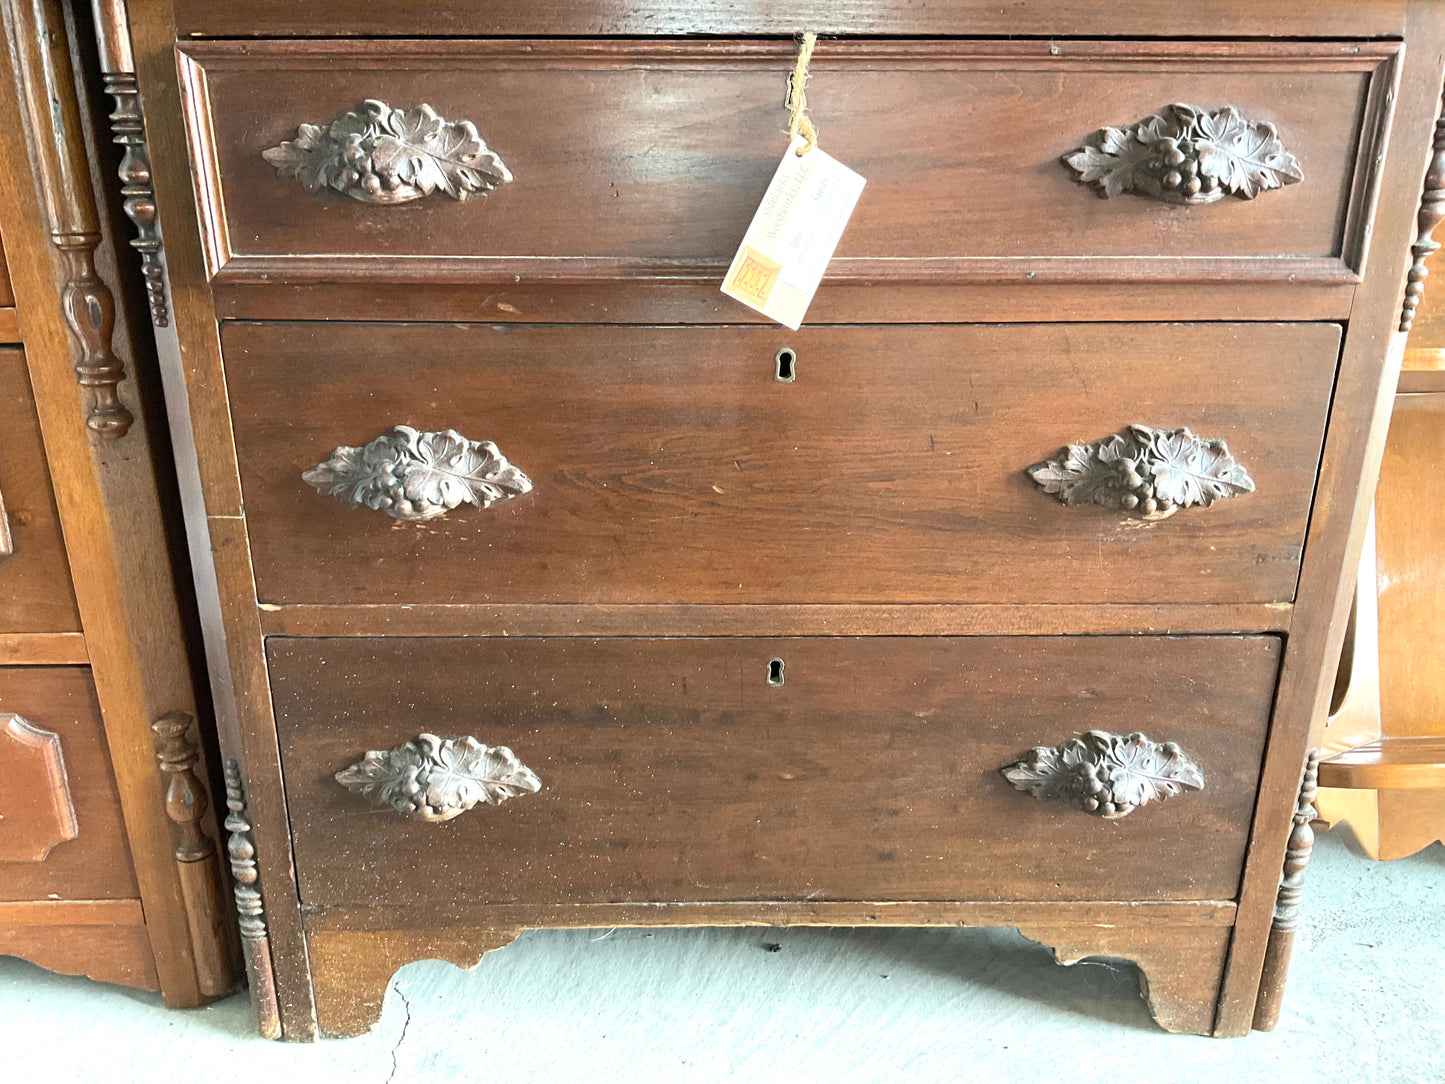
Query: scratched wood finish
{"points": [[835, 302], [1178, 952], [39, 814], [673, 770], [111, 953], [96, 864], [1364, 394], [666, 148], [111, 496], [1146, 18], [670, 465], [35, 591], [1355, 431]]}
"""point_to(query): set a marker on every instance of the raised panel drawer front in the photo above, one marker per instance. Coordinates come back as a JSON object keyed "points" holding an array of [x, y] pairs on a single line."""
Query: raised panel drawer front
{"points": [[61, 833], [672, 465], [738, 768], [317, 161]]}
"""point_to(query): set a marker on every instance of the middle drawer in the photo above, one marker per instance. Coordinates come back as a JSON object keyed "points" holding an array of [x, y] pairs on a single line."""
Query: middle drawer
{"points": [[672, 465]]}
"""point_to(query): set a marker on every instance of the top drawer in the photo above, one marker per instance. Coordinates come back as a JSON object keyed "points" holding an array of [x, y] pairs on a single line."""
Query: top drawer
{"points": [[646, 159]]}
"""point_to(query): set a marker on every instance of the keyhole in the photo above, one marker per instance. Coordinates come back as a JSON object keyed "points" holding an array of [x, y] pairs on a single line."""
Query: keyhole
{"points": [[775, 672], [786, 362]]}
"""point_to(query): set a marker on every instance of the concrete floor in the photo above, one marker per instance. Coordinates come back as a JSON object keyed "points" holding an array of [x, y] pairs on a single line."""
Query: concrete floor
{"points": [[1366, 1003]]}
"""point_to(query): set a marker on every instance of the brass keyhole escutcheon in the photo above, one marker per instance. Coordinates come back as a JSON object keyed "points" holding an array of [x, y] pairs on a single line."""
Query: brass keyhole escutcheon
{"points": [[785, 366]]}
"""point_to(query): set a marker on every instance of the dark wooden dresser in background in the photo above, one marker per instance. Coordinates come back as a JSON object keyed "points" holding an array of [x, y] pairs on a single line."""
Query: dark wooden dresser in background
{"points": [[108, 865], [545, 586]]}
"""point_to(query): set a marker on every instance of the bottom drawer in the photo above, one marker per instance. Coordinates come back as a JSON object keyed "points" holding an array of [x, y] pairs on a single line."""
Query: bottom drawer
{"points": [[745, 769], [61, 832]]}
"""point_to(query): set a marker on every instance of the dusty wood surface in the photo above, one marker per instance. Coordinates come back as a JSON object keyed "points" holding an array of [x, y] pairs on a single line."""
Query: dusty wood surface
{"points": [[671, 467], [994, 203], [675, 770], [96, 864]]}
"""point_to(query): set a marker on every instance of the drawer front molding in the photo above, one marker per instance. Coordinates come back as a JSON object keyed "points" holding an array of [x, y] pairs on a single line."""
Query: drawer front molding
{"points": [[1145, 472], [1108, 775], [436, 779], [378, 154], [1186, 154], [670, 212], [671, 466], [414, 475], [871, 774], [40, 810]]}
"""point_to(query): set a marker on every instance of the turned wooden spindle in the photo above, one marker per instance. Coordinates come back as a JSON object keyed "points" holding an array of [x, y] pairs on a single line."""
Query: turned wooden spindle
{"points": [[1432, 210], [127, 125], [46, 81], [250, 907], [1286, 907], [196, 864]]}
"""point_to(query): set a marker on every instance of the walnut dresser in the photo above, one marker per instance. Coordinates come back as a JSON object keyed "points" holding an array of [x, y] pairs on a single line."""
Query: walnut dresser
{"points": [[108, 859], [550, 587]]}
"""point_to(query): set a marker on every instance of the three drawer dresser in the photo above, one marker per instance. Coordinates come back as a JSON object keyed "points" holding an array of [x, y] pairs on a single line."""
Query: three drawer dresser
{"points": [[548, 586]]}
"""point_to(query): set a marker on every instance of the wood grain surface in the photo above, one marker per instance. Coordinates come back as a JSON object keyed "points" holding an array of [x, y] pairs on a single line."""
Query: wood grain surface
{"points": [[96, 864], [112, 953], [657, 165], [1364, 395], [1025, 299], [1410, 552], [110, 501], [670, 465], [975, 619], [1179, 955], [35, 591], [39, 812], [361, 279], [1145, 18], [673, 771]]}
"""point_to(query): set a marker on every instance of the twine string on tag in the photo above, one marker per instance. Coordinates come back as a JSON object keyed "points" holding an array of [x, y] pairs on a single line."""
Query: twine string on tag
{"points": [[797, 101]]}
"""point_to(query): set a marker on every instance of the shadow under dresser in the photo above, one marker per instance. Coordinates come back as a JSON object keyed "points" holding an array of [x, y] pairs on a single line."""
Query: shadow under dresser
{"points": [[549, 587]]}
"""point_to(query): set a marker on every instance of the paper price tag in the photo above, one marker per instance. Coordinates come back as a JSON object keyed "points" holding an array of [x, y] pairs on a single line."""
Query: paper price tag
{"points": [[793, 235]]}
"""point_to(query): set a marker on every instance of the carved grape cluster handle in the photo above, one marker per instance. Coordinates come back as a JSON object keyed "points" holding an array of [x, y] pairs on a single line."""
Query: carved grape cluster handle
{"points": [[378, 154], [436, 779], [415, 475], [1108, 775], [1185, 154], [1144, 472]]}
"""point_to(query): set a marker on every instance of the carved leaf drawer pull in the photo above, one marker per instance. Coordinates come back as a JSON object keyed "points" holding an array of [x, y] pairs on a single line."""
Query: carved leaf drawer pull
{"points": [[413, 475], [1144, 472], [436, 779], [1185, 154], [1108, 775], [378, 154]]}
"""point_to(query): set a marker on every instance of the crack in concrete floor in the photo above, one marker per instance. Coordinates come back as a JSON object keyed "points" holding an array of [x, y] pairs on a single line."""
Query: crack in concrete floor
{"points": [[865, 1006]]}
